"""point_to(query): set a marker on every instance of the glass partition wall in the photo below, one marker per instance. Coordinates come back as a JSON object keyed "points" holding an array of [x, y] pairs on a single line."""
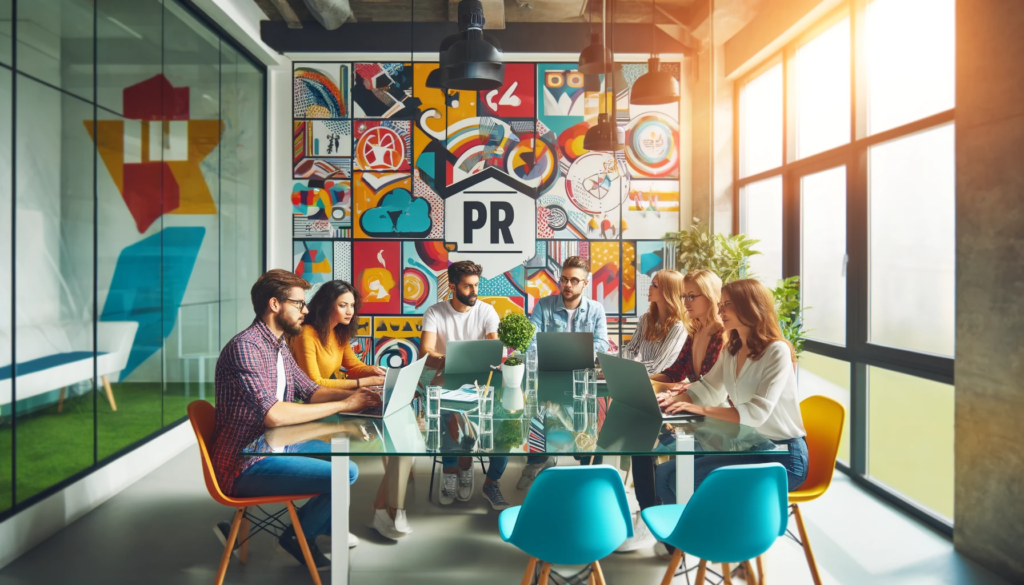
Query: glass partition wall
{"points": [[131, 148]]}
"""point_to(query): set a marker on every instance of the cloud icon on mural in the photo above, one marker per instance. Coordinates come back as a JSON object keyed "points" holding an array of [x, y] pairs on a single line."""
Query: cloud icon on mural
{"points": [[397, 214]]}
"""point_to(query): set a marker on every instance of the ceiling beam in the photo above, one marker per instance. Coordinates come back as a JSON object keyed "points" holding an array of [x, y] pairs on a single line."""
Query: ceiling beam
{"points": [[287, 13]]}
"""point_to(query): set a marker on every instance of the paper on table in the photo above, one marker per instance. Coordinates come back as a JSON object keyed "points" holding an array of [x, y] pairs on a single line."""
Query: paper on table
{"points": [[460, 395]]}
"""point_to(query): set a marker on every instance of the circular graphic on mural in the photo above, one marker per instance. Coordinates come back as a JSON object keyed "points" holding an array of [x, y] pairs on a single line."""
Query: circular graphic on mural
{"points": [[597, 183], [415, 287], [395, 353], [380, 149], [557, 217], [570, 141], [534, 160], [651, 147]]}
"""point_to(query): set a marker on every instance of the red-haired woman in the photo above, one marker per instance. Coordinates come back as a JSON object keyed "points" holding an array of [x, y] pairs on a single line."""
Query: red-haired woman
{"points": [[754, 381]]}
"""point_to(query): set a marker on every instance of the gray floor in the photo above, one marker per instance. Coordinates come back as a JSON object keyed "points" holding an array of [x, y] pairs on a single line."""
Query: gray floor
{"points": [[159, 531]]}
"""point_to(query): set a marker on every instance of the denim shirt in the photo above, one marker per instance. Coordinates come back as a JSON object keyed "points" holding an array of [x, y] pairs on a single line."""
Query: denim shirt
{"points": [[549, 315]]}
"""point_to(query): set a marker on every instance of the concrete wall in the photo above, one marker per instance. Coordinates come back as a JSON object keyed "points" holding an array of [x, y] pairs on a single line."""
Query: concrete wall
{"points": [[989, 505]]}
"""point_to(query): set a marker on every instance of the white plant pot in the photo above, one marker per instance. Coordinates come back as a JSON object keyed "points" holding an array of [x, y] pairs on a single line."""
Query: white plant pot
{"points": [[512, 396]]}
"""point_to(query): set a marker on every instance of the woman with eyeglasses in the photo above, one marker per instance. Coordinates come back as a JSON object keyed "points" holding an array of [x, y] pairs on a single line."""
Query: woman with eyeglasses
{"points": [[699, 294], [753, 383], [325, 346]]}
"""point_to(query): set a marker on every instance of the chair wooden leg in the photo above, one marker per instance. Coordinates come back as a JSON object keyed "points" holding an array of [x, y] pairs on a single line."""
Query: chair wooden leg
{"points": [[600, 574], [726, 574], [110, 393], [760, 571], [545, 570], [60, 399], [702, 570], [230, 546], [528, 575], [807, 544], [243, 533], [591, 579], [751, 577], [673, 564], [303, 544]]}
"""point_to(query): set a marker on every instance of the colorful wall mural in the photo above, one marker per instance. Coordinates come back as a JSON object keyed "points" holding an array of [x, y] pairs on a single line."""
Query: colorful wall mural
{"points": [[394, 180]]}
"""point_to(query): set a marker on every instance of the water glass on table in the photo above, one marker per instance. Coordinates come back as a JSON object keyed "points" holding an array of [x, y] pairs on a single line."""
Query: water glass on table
{"points": [[580, 379], [531, 359], [433, 401], [485, 401], [591, 390]]}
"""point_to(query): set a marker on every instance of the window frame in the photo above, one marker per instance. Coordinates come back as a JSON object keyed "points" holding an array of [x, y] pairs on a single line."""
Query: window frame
{"points": [[858, 351]]}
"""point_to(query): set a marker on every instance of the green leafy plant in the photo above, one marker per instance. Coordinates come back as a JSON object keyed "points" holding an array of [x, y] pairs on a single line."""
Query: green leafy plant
{"points": [[509, 435], [791, 314], [697, 248], [728, 257], [515, 332]]}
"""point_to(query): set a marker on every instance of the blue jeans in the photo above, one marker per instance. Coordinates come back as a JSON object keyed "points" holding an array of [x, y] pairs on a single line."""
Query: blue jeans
{"points": [[278, 476], [795, 463]]}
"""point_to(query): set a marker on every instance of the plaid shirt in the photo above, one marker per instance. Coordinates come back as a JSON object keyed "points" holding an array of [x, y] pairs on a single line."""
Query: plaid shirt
{"points": [[246, 384]]}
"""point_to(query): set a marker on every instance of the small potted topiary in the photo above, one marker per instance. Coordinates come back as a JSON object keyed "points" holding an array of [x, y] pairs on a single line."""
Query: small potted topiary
{"points": [[515, 332]]}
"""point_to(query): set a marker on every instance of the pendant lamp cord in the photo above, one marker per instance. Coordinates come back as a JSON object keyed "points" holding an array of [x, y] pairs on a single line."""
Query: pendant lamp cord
{"points": [[654, 32]]}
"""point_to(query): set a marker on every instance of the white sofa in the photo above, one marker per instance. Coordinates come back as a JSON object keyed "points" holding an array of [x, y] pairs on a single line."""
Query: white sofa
{"points": [[54, 355]]}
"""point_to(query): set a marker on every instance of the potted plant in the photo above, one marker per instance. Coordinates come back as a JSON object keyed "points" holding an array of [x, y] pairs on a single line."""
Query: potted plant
{"points": [[515, 332]]}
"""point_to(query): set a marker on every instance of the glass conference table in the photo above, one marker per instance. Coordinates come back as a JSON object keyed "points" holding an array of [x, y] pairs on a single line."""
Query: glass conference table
{"points": [[552, 423]]}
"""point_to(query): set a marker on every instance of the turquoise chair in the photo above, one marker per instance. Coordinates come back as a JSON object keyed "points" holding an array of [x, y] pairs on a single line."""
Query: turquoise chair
{"points": [[571, 516], [735, 515]]}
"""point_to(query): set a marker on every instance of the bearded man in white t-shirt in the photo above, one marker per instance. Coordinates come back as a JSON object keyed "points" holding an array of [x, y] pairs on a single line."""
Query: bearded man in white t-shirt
{"points": [[463, 319]]}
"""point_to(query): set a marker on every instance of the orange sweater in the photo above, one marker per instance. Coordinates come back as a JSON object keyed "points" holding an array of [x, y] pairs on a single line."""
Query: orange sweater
{"points": [[321, 362]]}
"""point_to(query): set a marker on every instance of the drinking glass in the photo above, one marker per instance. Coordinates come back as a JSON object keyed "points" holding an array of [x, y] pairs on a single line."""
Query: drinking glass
{"points": [[531, 359], [485, 401], [433, 401], [579, 383], [591, 388]]}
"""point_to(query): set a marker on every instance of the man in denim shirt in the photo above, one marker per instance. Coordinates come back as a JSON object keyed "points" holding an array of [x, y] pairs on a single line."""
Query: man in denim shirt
{"points": [[570, 312]]}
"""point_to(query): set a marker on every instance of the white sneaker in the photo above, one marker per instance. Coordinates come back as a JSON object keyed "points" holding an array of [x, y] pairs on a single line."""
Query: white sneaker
{"points": [[402, 521], [642, 537], [530, 472], [383, 524], [353, 540], [465, 485], [449, 485]]}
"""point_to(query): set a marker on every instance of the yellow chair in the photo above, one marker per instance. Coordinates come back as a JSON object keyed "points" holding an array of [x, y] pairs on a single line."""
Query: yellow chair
{"points": [[823, 421]]}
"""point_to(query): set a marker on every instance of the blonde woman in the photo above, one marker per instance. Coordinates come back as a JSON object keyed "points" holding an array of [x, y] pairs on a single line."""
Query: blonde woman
{"points": [[661, 331], [701, 292]]}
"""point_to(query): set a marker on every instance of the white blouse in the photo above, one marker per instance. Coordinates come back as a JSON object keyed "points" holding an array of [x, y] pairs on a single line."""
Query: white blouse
{"points": [[764, 393]]}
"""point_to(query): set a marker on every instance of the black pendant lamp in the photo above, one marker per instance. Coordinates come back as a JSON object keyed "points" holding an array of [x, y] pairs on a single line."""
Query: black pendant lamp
{"points": [[656, 86], [606, 136], [594, 57], [471, 60]]}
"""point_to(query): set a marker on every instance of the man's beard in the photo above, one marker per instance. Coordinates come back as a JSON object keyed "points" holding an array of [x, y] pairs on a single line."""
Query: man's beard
{"points": [[572, 298], [469, 301], [291, 328]]}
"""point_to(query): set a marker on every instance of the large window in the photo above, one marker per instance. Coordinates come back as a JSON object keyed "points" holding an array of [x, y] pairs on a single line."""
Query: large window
{"points": [[131, 197], [846, 175]]}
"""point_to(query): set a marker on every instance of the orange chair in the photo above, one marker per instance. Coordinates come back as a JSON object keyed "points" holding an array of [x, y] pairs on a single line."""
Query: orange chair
{"points": [[201, 415], [823, 421]]}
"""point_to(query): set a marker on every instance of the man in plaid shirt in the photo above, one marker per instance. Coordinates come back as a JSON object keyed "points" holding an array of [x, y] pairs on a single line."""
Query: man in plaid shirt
{"points": [[259, 386]]}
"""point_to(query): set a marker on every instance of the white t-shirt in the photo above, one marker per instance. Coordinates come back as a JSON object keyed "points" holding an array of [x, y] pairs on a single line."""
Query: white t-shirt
{"points": [[451, 325], [572, 315], [280, 375]]}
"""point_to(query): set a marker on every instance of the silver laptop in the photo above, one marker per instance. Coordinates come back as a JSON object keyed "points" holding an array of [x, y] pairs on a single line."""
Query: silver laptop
{"points": [[399, 389], [563, 351], [471, 357], [629, 384]]}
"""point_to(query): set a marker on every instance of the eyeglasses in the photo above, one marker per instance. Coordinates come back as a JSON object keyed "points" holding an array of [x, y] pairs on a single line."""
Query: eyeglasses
{"points": [[691, 297], [724, 305], [298, 303], [573, 281]]}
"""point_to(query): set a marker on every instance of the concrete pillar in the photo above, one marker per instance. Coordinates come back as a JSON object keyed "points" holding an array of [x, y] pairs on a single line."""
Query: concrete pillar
{"points": [[989, 506]]}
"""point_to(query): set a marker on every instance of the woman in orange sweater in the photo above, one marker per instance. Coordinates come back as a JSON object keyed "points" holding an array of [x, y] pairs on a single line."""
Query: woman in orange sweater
{"points": [[320, 350]]}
